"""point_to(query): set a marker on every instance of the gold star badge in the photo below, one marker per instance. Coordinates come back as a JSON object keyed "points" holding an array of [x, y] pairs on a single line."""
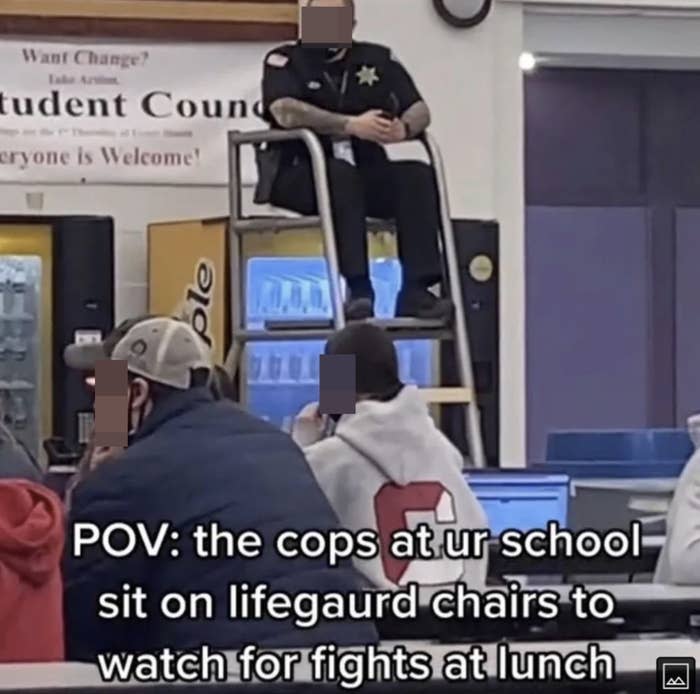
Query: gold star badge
{"points": [[367, 75]]}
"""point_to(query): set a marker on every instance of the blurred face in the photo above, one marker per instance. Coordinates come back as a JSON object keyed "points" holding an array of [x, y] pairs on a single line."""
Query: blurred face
{"points": [[327, 23], [139, 403]]}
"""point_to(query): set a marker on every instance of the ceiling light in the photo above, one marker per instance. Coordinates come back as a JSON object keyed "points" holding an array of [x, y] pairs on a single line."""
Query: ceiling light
{"points": [[527, 62]]}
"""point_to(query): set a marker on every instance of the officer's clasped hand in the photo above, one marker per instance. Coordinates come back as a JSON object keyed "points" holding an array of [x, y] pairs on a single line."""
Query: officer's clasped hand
{"points": [[397, 133], [376, 127]]}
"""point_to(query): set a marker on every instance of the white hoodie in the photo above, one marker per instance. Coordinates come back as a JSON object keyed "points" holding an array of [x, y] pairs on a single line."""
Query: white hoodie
{"points": [[386, 468], [679, 561]]}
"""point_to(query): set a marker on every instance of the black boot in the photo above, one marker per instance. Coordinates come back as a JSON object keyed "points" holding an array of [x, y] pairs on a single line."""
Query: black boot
{"points": [[359, 302], [418, 302], [359, 307]]}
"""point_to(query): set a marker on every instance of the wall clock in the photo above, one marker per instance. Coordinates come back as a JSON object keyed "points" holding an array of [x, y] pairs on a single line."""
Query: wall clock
{"points": [[463, 14]]}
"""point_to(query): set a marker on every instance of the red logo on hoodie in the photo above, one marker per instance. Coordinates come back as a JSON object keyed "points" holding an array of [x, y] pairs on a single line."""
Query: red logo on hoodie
{"points": [[392, 504]]}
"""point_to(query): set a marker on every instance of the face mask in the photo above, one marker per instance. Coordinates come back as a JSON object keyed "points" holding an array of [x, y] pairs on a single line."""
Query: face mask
{"points": [[321, 54]]}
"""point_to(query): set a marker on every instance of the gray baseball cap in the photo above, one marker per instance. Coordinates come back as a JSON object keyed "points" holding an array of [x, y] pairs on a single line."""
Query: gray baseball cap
{"points": [[162, 349]]}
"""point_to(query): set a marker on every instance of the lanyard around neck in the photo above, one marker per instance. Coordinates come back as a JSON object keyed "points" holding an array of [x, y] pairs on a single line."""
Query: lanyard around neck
{"points": [[343, 85]]}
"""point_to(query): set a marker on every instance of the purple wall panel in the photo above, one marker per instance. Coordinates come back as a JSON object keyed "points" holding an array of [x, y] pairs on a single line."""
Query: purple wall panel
{"points": [[672, 143], [598, 143], [583, 134], [687, 314], [588, 307]]}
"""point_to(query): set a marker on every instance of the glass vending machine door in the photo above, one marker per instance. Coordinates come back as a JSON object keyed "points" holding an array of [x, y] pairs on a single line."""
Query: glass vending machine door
{"points": [[282, 377], [20, 347]]}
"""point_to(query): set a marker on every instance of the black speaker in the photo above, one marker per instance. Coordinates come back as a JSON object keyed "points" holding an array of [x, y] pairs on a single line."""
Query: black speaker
{"points": [[83, 300], [477, 252]]}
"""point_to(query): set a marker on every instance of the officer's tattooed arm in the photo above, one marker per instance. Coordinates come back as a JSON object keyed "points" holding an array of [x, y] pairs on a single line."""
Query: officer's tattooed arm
{"points": [[292, 113], [416, 118]]}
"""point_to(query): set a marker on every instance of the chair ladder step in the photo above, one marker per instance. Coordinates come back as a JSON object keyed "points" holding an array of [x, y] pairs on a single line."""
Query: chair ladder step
{"points": [[386, 323], [276, 224], [447, 395], [320, 328]]}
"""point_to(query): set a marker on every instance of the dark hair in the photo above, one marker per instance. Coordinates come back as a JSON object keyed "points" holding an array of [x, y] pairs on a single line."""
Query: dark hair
{"points": [[159, 392], [376, 361]]}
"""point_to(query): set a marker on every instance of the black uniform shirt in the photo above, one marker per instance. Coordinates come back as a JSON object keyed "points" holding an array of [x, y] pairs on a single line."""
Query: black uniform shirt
{"points": [[368, 77]]}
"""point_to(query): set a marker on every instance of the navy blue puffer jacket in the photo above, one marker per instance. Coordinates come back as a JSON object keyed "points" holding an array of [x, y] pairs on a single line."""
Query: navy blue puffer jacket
{"points": [[194, 462]]}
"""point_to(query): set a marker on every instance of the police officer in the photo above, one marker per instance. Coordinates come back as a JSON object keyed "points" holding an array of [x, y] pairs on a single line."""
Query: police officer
{"points": [[358, 98]]}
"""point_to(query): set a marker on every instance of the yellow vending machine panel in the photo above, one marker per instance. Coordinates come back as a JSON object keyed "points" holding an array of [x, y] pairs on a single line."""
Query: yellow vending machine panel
{"points": [[187, 277], [26, 374], [285, 277]]}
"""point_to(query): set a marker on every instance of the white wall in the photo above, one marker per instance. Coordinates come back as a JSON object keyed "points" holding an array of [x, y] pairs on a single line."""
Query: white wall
{"points": [[627, 6], [614, 40], [472, 82]]}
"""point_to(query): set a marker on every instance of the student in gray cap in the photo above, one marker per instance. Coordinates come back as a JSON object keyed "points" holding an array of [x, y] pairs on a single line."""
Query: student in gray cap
{"points": [[191, 461]]}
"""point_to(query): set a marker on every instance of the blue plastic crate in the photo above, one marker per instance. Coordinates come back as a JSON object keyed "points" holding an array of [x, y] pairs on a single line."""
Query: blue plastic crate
{"points": [[283, 376], [521, 501], [634, 445], [610, 469], [634, 453]]}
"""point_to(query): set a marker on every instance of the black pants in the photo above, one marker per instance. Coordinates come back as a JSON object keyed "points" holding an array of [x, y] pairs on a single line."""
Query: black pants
{"points": [[403, 190]]}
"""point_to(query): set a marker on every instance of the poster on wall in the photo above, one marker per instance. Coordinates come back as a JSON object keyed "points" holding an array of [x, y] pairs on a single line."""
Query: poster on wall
{"points": [[126, 113]]}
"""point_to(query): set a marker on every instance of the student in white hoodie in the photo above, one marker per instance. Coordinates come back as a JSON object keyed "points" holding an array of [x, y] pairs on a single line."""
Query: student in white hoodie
{"points": [[679, 561], [387, 467]]}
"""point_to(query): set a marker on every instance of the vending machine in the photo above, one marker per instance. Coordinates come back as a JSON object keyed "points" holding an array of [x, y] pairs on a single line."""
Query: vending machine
{"points": [[282, 377], [56, 280], [285, 278]]}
